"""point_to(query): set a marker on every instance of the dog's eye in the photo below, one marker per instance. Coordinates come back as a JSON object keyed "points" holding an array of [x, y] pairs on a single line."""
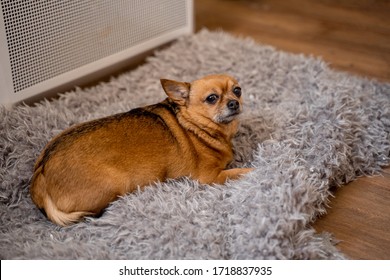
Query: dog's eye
{"points": [[212, 98], [237, 91]]}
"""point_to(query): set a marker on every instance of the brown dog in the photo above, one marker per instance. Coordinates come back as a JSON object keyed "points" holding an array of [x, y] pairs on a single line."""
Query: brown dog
{"points": [[89, 165]]}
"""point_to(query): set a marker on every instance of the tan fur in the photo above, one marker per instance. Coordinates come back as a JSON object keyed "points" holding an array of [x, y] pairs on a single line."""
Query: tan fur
{"points": [[88, 166]]}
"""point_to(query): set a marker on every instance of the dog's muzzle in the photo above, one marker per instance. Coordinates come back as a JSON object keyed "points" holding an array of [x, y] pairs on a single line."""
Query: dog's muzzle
{"points": [[230, 113]]}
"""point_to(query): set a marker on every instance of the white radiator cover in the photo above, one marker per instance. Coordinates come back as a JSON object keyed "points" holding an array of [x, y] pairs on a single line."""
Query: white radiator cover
{"points": [[46, 44]]}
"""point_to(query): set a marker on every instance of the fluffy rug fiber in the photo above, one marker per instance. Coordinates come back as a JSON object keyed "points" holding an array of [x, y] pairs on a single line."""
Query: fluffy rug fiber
{"points": [[305, 128]]}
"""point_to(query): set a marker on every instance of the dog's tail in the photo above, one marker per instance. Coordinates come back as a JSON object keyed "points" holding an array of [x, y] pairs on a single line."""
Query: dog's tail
{"points": [[44, 202]]}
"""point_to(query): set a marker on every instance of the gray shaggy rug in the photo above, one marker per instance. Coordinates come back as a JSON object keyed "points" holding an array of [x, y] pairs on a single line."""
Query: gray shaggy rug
{"points": [[305, 128]]}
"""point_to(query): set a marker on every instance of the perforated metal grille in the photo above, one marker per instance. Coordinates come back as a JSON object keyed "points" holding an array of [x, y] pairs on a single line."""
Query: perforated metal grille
{"points": [[48, 38]]}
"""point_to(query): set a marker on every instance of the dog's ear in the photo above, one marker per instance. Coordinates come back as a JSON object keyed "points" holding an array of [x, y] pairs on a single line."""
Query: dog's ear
{"points": [[177, 91]]}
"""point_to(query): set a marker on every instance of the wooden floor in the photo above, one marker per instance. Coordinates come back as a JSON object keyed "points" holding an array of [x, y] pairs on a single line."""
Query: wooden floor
{"points": [[353, 36]]}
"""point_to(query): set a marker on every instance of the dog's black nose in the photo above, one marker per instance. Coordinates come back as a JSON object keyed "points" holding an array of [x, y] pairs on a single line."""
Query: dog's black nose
{"points": [[233, 105]]}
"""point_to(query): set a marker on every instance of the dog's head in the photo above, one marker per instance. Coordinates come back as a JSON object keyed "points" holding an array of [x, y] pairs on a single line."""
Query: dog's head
{"points": [[215, 97]]}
